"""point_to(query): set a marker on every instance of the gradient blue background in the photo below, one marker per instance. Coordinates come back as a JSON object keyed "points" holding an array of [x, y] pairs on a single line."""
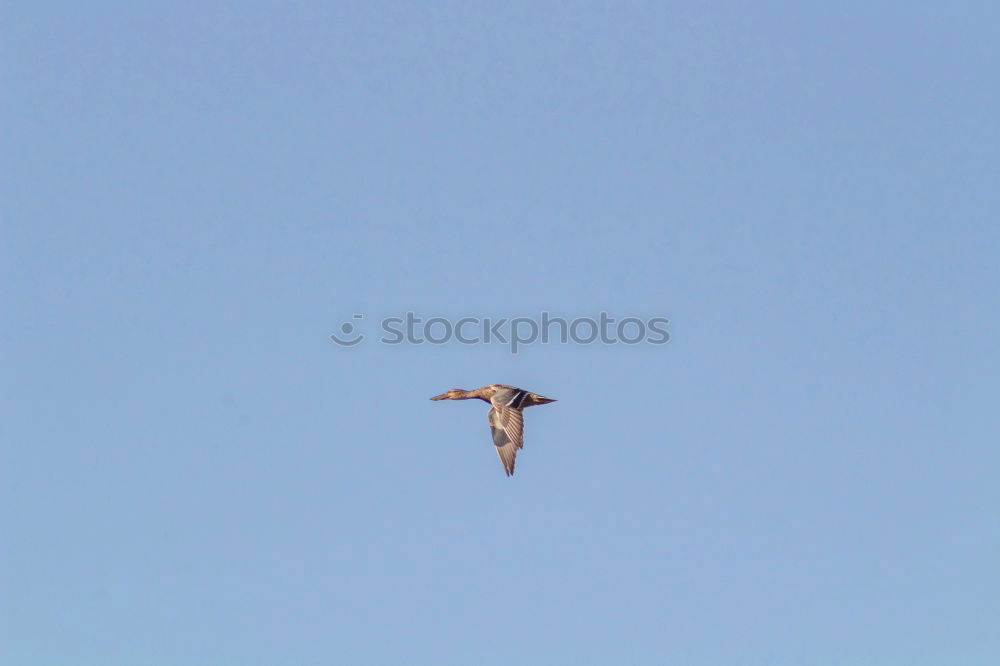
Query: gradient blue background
{"points": [[196, 194]]}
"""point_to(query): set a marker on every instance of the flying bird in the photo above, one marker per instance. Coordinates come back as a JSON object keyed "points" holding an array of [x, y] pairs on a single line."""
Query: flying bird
{"points": [[506, 419]]}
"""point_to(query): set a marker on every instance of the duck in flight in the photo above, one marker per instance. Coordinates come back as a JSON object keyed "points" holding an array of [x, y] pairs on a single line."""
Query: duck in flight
{"points": [[505, 416]]}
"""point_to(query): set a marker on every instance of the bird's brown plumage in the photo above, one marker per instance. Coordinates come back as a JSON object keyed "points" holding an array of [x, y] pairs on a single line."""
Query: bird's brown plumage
{"points": [[506, 416]]}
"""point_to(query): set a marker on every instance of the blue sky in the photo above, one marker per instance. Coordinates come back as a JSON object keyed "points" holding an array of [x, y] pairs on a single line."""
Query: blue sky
{"points": [[195, 195]]}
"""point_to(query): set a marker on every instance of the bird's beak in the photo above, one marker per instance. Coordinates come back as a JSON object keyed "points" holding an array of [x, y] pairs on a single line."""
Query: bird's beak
{"points": [[443, 396]]}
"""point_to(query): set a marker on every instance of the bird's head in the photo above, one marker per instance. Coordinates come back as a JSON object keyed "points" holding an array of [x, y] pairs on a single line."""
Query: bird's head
{"points": [[454, 394]]}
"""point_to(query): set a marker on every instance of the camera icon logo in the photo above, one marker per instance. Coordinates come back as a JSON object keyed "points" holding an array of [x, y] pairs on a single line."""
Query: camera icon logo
{"points": [[348, 329]]}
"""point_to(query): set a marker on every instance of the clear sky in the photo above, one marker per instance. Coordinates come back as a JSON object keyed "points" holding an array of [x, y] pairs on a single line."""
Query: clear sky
{"points": [[195, 195]]}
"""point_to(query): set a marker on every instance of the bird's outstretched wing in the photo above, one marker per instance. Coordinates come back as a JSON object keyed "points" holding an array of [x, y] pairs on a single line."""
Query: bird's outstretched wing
{"points": [[507, 425]]}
